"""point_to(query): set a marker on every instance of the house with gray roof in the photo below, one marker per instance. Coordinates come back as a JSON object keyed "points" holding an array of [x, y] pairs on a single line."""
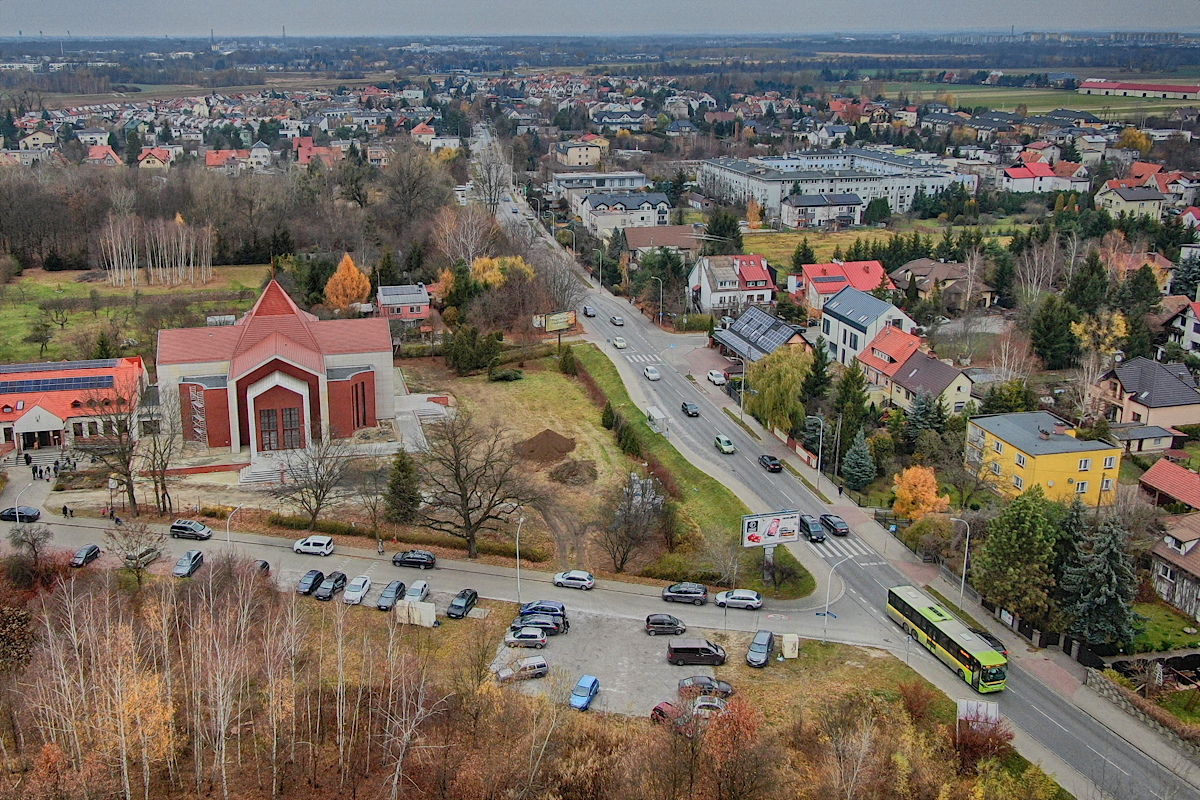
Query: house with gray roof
{"points": [[851, 319], [925, 373], [408, 302], [1147, 393]]}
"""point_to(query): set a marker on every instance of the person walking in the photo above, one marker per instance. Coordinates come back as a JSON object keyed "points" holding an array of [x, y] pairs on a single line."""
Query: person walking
{"points": [[28, 459], [379, 546], [66, 512]]}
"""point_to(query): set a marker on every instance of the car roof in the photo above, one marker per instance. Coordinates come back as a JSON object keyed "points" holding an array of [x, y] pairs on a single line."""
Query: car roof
{"points": [[313, 572], [361, 578], [416, 584], [588, 680], [533, 661], [762, 636], [531, 629], [319, 538]]}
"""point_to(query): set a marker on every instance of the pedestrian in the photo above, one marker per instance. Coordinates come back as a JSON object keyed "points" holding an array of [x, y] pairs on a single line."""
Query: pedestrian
{"points": [[839, 490], [28, 459], [33, 470], [71, 513], [116, 521], [379, 547], [66, 511]]}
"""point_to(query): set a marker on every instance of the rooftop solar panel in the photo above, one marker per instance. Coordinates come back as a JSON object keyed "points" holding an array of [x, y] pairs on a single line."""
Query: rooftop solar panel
{"points": [[51, 366], [57, 384]]}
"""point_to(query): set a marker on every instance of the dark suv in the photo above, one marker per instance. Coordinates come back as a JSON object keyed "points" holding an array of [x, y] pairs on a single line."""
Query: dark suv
{"points": [[686, 593], [811, 527], [462, 604], [421, 559], [551, 625], [333, 584], [665, 624], [310, 582], [835, 524], [551, 607]]}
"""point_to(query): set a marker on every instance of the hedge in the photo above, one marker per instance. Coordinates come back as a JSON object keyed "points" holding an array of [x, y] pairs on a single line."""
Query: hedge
{"points": [[484, 546], [1191, 431]]}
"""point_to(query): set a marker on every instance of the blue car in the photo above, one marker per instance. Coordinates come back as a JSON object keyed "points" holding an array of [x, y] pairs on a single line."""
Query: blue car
{"points": [[584, 691]]}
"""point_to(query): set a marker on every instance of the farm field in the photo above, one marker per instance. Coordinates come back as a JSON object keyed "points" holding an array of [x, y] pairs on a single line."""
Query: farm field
{"points": [[778, 246], [1007, 98]]}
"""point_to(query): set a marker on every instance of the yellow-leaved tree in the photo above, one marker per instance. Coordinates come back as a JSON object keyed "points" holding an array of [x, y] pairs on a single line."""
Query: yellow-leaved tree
{"points": [[753, 214], [493, 272], [1134, 139], [916, 493], [348, 285]]}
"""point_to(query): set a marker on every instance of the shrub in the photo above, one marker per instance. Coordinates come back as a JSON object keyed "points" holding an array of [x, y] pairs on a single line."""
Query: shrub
{"points": [[1191, 431], [608, 417], [629, 442], [217, 512], [505, 375], [566, 362]]}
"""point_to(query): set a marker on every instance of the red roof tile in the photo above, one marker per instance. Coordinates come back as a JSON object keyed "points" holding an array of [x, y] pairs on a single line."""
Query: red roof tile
{"points": [[894, 343], [1174, 481], [862, 275], [125, 374], [753, 268]]}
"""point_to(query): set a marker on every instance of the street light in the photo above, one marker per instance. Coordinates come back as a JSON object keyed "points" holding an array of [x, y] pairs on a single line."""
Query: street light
{"points": [[660, 297], [962, 586], [520, 522], [820, 444], [229, 519], [828, 586], [17, 502], [600, 266]]}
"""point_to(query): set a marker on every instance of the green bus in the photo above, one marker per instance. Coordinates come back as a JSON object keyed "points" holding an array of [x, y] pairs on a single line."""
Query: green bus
{"points": [[975, 661]]}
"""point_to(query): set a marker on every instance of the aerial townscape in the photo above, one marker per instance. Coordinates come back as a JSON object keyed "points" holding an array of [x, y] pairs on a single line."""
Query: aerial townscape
{"points": [[630, 404]]}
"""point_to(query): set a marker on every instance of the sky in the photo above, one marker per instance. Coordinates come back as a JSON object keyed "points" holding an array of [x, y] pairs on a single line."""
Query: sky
{"points": [[575, 17]]}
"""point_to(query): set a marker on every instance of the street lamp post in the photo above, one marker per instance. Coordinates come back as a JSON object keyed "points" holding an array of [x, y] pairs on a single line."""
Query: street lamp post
{"points": [[828, 586], [17, 502], [600, 266], [520, 522], [820, 444], [660, 298], [962, 585], [228, 520]]}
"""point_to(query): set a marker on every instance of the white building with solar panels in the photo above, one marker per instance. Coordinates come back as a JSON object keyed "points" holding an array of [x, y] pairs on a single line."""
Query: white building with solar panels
{"points": [[50, 405]]}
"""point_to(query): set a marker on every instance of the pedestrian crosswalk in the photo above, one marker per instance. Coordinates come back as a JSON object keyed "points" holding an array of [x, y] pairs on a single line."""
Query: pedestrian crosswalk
{"points": [[640, 358], [840, 548]]}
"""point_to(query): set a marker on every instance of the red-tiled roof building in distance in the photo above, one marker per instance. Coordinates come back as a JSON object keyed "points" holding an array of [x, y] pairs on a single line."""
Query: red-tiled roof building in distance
{"points": [[278, 378]]}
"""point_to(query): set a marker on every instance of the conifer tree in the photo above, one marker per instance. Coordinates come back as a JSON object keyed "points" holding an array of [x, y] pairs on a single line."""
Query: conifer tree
{"points": [[1012, 567], [859, 467], [1100, 585]]}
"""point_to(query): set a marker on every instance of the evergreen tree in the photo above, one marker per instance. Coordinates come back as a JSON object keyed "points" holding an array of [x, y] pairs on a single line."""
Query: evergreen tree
{"points": [[414, 261], [878, 210], [1100, 585], [850, 404], [859, 466], [385, 273], [803, 254], [104, 347], [926, 414], [817, 381], [1012, 567], [1051, 336], [1139, 293], [1009, 397], [1186, 277], [725, 234], [1138, 339], [133, 147], [1088, 289], [403, 489]]}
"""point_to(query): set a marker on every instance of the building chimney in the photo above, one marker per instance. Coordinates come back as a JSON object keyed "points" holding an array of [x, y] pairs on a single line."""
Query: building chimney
{"points": [[1043, 433], [1060, 428]]}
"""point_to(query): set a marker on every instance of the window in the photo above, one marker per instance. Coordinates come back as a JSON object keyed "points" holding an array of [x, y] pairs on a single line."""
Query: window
{"points": [[292, 438], [1085, 464], [1111, 461], [1106, 485], [995, 468], [825, 326], [1166, 572], [998, 446], [1020, 460], [268, 426], [854, 341], [1137, 417], [77, 428], [1018, 482], [959, 407], [1175, 545], [1081, 487]]}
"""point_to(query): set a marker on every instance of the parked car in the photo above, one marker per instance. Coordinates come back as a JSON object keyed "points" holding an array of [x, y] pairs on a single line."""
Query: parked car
{"points": [[462, 604], [526, 637], [616, 320], [716, 377], [770, 463], [664, 623], [619, 343], [85, 555], [418, 592], [552, 607], [391, 593], [588, 311], [811, 527], [263, 566], [421, 559], [190, 529], [545, 622], [310, 581], [686, 592], [690, 409], [334, 583], [664, 713], [314, 545], [20, 514], [188, 563], [992, 641], [724, 444], [739, 598], [142, 558], [651, 373], [585, 692], [575, 579], [694, 651], [761, 646], [356, 590], [704, 685], [835, 524], [525, 669]]}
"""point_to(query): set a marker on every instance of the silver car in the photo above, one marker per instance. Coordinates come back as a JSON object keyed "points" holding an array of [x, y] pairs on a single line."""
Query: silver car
{"points": [[739, 598], [526, 637], [417, 593]]}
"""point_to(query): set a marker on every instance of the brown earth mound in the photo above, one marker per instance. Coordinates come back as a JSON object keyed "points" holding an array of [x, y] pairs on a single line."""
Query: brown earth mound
{"points": [[574, 472], [546, 446]]}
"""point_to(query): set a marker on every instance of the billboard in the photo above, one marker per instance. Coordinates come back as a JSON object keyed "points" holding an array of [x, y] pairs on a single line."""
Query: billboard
{"points": [[561, 321], [759, 530]]}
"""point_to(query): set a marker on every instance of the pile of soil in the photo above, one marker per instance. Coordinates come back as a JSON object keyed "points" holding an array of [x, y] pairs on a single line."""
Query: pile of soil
{"points": [[545, 447], [574, 472]]}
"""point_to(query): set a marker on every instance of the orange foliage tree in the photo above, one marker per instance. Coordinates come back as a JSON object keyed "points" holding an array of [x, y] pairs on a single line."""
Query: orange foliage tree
{"points": [[916, 493], [348, 285]]}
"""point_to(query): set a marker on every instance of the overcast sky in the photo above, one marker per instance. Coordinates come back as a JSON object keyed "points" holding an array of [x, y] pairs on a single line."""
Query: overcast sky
{"points": [[483, 17]]}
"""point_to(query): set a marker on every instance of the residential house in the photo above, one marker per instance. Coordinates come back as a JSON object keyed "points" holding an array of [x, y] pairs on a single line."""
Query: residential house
{"points": [[831, 135], [577, 154], [851, 319], [1073, 177], [444, 143], [1133, 201], [884, 355], [1136, 438], [682, 128], [1147, 392], [950, 279], [409, 302], [92, 137], [604, 213], [230, 161], [102, 155], [154, 158], [422, 132], [1034, 177], [923, 373], [1041, 151], [682, 239], [726, 285], [1160, 265], [37, 140], [756, 334], [578, 184], [816, 283], [821, 210], [1183, 328], [1035, 448], [1175, 563], [1168, 483], [259, 156], [1191, 217]]}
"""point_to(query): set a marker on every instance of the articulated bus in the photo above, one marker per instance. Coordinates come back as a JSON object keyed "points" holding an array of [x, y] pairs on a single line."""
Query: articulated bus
{"points": [[964, 652]]}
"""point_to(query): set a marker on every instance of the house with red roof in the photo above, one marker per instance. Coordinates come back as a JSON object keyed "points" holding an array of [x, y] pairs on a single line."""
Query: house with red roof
{"points": [[329, 156], [55, 404], [226, 160], [727, 285], [154, 158], [1033, 177], [816, 283], [423, 133], [278, 378], [102, 155], [886, 353]]}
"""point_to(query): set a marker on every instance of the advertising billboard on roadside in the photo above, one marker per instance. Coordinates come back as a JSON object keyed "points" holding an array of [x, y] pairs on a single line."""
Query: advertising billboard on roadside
{"points": [[778, 527], [561, 321]]}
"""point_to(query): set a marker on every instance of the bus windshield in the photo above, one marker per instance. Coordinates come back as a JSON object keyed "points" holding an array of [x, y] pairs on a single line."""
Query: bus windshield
{"points": [[993, 675]]}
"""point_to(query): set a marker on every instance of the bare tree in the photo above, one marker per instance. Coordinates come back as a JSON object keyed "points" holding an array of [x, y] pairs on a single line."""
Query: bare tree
{"points": [[161, 446], [637, 510], [369, 479], [1038, 267], [316, 477], [464, 233], [1012, 356], [131, 539], [851, 729], [492, 176], [31, 541], [723, 554], [415, 184], [474, 481], [558, 278], [116, 412], [407, 701]]}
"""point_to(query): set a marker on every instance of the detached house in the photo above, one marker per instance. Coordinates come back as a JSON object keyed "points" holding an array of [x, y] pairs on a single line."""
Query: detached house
{"points": [[1132, 201], [821, 210], [1176, 564], [36, 140], [895, 364], [603, 213], [1183, 327], [949, 278], [852, 319], [102, 155], [816, 283], [1148, 393], [409, 302], [727, 285]]}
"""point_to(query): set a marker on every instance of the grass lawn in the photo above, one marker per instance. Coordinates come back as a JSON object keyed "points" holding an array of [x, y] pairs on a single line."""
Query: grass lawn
{"points": [[1007, 98], [1129, 472], [1164, 629], [1185, 705]]}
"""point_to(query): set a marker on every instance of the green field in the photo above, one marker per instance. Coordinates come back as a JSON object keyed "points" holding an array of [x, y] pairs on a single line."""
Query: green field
{"points": [[1007, 98]]}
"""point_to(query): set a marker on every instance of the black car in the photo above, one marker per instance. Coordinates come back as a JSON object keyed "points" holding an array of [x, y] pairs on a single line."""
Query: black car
{"points": [[26, 514], [421, 559], [690, 409], [334, 583], [706, 686], [263, 566], [811, 527], [85, 555], [771, 463], [995, 643], [310, 582], [686, 593], [462, 604], [588, 311], [551, 625], [665, 624], [552, 607], [391, 593], [835, 524]]}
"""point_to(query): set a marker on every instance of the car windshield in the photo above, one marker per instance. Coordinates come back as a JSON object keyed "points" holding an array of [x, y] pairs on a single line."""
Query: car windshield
{"points": [[993, 675], [581, 690], [756, 647]]}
